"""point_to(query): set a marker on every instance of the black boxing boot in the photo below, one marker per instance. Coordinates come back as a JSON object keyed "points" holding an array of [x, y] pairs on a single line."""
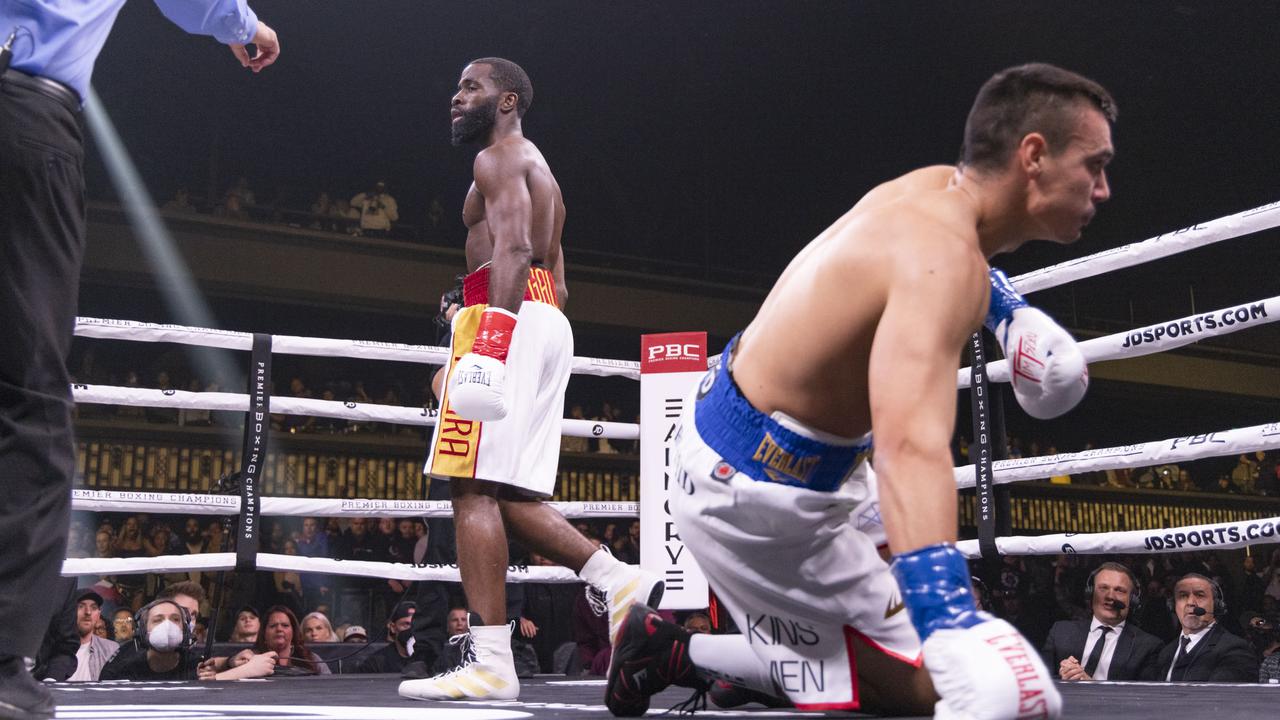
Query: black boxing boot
{"points": [[649, 655]]}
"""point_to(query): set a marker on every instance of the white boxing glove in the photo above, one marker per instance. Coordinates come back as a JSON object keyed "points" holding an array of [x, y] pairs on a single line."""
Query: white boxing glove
{"points": [[477, 381], [981, 667], [1047, 370], [989, 672], [476, 388]]}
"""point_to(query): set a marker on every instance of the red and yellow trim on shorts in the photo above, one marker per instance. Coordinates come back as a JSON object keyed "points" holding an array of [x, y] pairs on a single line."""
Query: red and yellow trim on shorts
{"points": [[456, 451], [457, 443], [541, 286]]}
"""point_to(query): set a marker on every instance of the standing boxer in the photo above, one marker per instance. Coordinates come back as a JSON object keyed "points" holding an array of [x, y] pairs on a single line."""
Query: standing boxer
{"points": [[498, 438]]}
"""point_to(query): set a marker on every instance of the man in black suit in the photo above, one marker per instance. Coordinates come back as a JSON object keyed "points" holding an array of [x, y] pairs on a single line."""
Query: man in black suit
{"points": [[1204, 650], [1112, 647]]}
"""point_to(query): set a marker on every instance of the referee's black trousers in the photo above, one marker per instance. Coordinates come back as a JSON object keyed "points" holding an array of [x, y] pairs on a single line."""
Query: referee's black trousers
{"points": [[42, 227]]}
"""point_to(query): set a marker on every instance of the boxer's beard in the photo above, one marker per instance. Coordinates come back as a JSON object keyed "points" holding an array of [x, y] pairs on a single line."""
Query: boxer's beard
{"points": [[475, 124]]}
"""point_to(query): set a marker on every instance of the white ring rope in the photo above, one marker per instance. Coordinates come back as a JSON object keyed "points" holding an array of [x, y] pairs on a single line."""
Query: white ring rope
{"points": [[364, 412], [149, 501], [1240, 224], [1159, 337], [107, 329], [1141, 341], [1155, 452], [299, 563], [1217, 536]]}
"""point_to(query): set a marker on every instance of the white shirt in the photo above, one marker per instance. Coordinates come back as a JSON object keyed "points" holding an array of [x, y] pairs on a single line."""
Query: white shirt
{"points": [[1108, 650], [1195, 639], [91, 657]]}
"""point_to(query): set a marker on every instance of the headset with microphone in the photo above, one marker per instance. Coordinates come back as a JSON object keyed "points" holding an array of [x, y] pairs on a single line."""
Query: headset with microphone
{"points": [[141, 629], [1135, 597], [1219, 602]]}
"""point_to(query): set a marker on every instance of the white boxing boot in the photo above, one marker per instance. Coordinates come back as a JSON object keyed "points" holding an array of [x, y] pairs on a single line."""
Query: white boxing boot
{"points": [[487, 672]]}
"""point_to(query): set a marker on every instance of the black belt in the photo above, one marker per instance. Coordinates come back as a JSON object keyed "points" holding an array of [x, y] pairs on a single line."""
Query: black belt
{"points": [[51, 89]]}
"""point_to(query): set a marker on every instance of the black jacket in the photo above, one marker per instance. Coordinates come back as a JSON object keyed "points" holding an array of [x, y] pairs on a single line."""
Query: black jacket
{"points": [[1218, 657], [56, 659], [1135, 657]]}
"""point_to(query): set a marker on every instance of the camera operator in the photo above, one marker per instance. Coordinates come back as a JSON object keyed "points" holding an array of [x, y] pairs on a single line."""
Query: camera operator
{"points": [[1264, 629], [377, 211]]}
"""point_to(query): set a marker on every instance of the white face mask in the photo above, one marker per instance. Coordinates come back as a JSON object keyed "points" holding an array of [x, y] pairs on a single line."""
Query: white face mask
{"points": [[165, 637]]}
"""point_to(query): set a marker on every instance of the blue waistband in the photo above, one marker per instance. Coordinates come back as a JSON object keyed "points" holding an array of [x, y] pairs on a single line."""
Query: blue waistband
{"points": [[761, 447]]}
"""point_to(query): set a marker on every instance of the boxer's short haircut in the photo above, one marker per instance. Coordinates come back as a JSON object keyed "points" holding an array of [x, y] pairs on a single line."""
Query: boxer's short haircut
{"points": [[509, 77], [1015, 102]]}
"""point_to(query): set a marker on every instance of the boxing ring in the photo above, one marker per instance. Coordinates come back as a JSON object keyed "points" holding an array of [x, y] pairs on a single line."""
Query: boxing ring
{"points": [[367, 696]]}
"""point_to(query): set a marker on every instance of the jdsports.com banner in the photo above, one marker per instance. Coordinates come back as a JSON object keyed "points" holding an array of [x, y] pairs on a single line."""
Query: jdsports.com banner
{"points": [[671, 365]]}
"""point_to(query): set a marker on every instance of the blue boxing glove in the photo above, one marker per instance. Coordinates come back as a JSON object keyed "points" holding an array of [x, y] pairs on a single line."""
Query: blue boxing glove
{"points": [[1047, 369], [981, 666]]}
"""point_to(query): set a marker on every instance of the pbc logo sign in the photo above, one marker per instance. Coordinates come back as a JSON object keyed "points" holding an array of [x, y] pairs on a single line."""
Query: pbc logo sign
{"points": [[674, 351]]}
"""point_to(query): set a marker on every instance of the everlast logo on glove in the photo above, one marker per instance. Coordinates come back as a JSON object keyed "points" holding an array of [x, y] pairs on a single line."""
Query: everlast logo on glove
{"points": [[474, 376], [1031, 698]]}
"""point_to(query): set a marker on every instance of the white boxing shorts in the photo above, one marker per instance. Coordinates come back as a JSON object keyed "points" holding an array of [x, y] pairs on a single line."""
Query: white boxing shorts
{"points": [[523, 448], [774, 523]]}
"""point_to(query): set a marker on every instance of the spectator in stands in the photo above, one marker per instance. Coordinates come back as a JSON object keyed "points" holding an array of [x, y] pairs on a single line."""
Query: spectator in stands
{"points": [[1245, 475], [131, 412], [1106, 646], [698, 622], [607, 414], [122, 626], [316, 628], [288, 584], [626, 547], [156, 541], [346, 218], [421, 543], [57, 657], [181, 202], [322, 210], [299, 423], [281, 635], [355, 634], [393, 657], [248, 622], [457, 627], [591, 632], [240, 189], [1227, 486], [162, 650], [129, 544], [312, 542], [544, 606], [400, 545], [378, 210], [356, 594], [100, 629], [1204, 651], [231, 208], [574, 444]]}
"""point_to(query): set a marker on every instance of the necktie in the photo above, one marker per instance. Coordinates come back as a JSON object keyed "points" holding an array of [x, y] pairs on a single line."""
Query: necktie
{"points": [[1180, 665], [1094, 657]]}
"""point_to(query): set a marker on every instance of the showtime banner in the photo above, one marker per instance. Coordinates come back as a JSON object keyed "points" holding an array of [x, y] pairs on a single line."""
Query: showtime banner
{"points": [[671, 364]]}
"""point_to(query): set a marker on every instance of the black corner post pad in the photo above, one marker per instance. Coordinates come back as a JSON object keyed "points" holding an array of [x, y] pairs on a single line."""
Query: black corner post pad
{"points": [[257, 427], [980, 449]]}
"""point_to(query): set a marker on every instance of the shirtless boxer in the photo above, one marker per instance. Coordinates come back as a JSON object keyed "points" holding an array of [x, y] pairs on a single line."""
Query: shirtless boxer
{"points": [[498, 438], [864, 330]]}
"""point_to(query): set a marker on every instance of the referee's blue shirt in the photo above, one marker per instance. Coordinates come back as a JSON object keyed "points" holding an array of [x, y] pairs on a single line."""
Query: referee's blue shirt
{"points": [[61, 39]]}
